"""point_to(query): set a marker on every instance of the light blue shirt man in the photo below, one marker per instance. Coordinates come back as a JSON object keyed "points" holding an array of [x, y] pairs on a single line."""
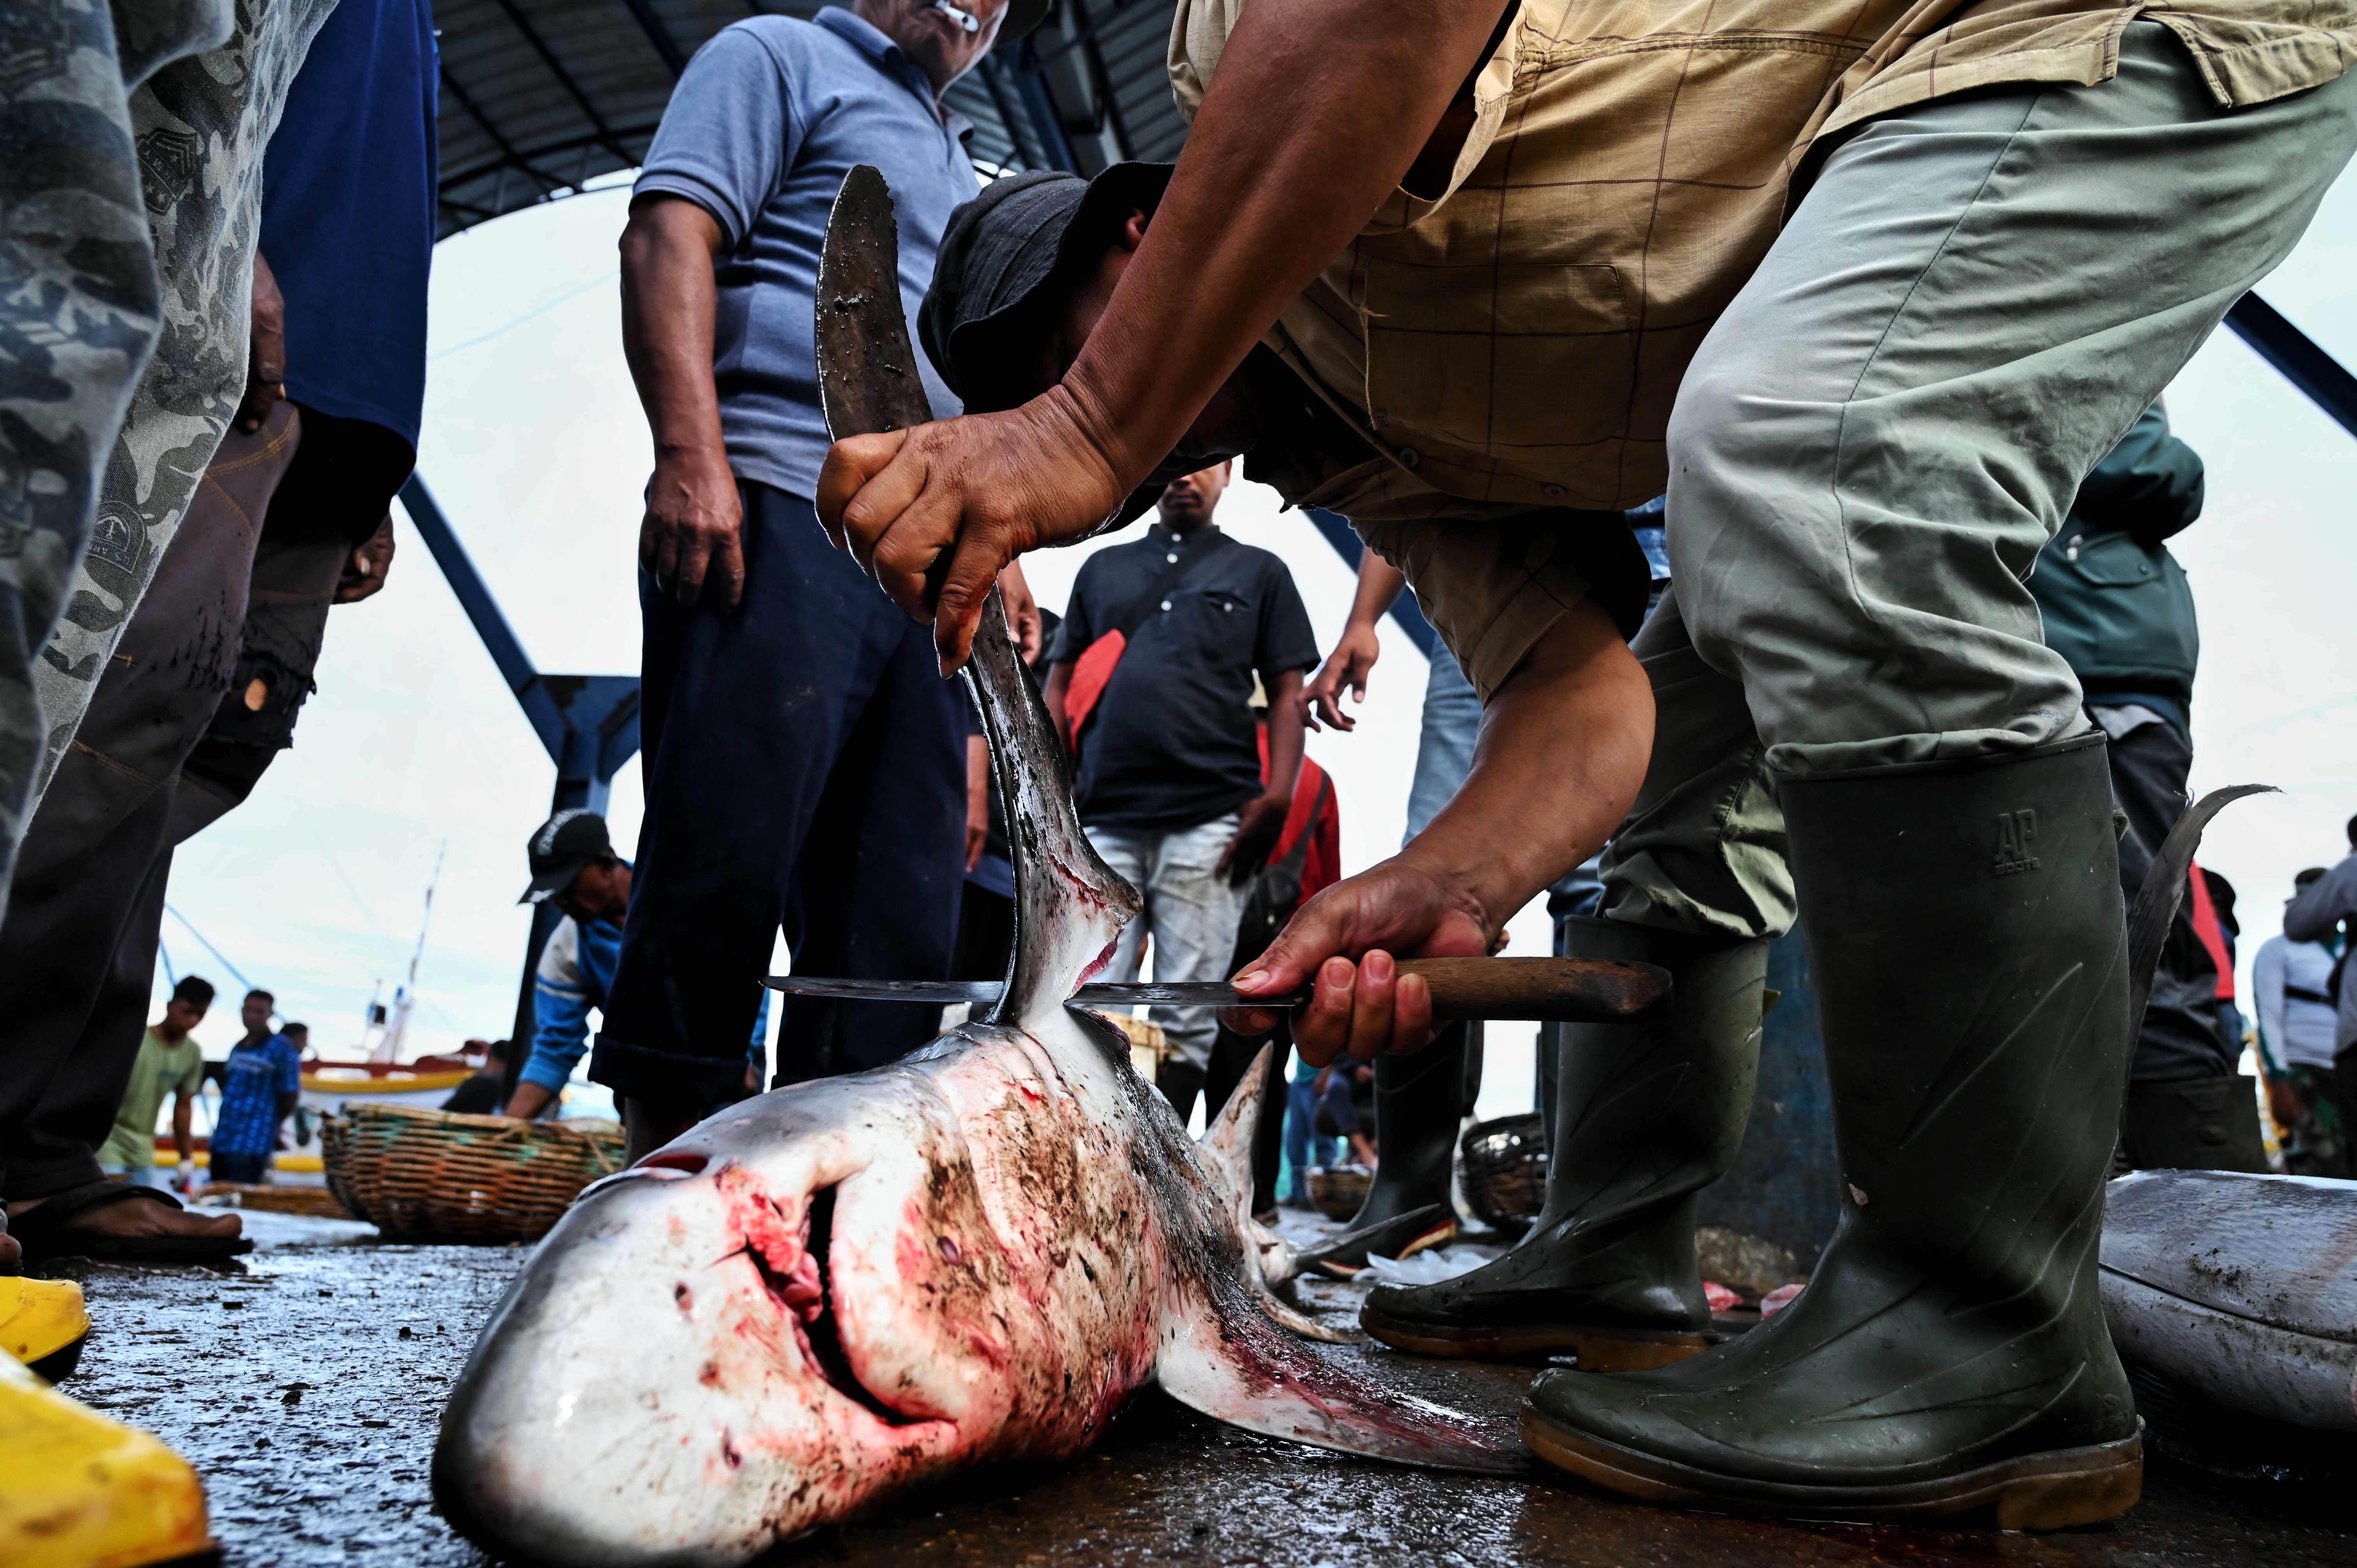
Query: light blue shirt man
{"points": [[766, 122]]}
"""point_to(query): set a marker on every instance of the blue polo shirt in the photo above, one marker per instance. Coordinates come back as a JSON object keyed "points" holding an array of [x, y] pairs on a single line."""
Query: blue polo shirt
{"points": [[768, 118], [252, 1081]]}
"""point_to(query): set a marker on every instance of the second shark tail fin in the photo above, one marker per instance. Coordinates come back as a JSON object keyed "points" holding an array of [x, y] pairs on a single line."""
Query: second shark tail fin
{"points": [[1069, 907], [2164, 887]]}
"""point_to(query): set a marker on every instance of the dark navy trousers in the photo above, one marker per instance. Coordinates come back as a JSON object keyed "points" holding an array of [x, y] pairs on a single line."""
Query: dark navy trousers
{"points": [[805, 768]]}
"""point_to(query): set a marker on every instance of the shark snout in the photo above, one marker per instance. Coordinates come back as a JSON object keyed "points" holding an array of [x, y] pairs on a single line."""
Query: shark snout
{"points": [[667, 1383]]}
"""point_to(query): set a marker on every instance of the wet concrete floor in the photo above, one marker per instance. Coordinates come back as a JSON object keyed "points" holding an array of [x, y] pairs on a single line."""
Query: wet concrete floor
{"points": [[306, 1387]]}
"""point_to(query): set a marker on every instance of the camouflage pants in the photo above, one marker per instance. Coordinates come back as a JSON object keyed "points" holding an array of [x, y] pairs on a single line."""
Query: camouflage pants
{"points": [[131, 141]]}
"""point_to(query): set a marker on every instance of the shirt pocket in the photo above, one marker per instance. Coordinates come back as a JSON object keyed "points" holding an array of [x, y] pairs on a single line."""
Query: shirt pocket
{"points": [[1217, 626], [1487, 355]]}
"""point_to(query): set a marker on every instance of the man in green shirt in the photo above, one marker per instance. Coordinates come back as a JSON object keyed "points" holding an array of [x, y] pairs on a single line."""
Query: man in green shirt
{"points": [[170, 1062]]}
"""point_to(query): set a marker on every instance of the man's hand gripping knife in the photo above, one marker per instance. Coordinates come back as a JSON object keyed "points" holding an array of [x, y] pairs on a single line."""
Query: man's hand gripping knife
{"points": [[1257, 207]]}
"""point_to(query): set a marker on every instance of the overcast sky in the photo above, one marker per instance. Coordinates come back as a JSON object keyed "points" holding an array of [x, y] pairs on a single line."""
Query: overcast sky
{"points": [[533, 444]]}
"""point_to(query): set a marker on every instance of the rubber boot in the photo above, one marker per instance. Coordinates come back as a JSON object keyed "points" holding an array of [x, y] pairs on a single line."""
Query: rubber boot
{"points": [[1420, 1102], [2196, 1125], [79, 1490], [1647, 1113], [43, 1324], [1949, 1355]]}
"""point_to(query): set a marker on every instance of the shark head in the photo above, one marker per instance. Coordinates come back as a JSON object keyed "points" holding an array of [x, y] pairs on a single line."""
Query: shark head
{"points": [[814, 1299], [738, 1338]]}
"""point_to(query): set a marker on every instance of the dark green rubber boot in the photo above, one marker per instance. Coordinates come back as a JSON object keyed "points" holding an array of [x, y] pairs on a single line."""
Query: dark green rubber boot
{"points": [[1647, 1114], [1949, 1355], [1420, 1102]]}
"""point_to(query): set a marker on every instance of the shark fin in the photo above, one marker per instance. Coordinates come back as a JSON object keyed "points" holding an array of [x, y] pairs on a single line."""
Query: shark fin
{"points": [[1224, 1152], [2164, 888], [1391, 1238], [1226, 1147], [1069, 907], [1231, 1363]]}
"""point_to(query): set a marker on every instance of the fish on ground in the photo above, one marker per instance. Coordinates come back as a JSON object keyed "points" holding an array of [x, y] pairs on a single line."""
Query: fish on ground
{"points": [[835, 1292]]}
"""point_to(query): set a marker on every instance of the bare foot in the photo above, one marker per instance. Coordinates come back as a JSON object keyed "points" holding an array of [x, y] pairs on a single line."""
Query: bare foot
{"points": [[138, 1217], [644, 1130]]}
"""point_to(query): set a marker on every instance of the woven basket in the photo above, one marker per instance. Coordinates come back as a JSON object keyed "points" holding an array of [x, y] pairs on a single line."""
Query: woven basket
{"points": [[435, 1175], [1337, 1191], [1503, 1168]]}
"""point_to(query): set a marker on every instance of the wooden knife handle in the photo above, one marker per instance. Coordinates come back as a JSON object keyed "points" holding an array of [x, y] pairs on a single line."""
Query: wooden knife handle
{"points": [[1551, 990]]}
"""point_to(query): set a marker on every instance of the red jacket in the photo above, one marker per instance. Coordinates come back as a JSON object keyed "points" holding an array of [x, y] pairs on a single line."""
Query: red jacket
{"points": [[1317, 812]]}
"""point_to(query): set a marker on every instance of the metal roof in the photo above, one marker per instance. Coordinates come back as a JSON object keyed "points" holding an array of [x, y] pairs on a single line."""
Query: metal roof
{"points": [[541, 97]]}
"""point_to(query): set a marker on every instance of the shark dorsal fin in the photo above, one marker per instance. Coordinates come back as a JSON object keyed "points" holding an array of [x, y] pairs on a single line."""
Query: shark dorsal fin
{"points": [[1225, 1147], [1069, 907]]}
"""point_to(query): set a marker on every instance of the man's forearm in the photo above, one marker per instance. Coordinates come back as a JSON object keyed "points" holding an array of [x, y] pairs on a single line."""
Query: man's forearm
{"points": [[1286, 727], [184, 1129], [1563, 748], [1380, 583], [2311, 916], [1317, 109], [668, 303]]}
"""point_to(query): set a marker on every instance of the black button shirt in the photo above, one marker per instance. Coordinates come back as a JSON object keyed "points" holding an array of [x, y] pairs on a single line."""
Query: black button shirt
{"points": [[1171, 744]]}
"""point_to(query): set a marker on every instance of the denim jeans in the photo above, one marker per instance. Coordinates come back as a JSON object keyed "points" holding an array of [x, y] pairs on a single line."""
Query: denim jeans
{"points": [[1191, 912]]}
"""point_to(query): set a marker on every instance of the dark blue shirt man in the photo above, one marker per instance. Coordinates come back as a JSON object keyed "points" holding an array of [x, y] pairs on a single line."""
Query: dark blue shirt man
{"points": [[804, 760], [1171, 785]]}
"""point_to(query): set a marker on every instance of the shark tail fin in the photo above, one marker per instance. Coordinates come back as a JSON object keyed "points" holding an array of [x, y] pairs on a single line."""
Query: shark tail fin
{"points": [[1225, 1153], [1069, 907], [2164, 888], [1227, 1360]]}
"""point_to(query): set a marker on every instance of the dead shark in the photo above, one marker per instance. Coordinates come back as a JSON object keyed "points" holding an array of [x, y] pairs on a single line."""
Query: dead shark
{"points": [[834, 1293]]}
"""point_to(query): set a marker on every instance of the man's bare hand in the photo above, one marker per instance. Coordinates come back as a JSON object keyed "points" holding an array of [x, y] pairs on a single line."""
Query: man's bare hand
{"points": [[366, 567], [934, 513], [692, 534], [1022, 611], [1344, 940], [1258, 827], [265, 362], [1346, 667]]}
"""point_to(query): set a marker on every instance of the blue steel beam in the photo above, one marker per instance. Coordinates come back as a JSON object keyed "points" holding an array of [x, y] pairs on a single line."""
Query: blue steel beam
{"points": [[589, 724], [2293, 352], [500, 639]]}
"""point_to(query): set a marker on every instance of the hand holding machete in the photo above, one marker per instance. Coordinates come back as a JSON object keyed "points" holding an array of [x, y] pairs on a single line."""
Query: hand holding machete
{"points": [[1257, 207]]}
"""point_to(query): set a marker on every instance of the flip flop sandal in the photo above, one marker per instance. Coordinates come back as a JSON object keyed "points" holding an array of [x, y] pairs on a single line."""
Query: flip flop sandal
{"points": [[48, 1232]]}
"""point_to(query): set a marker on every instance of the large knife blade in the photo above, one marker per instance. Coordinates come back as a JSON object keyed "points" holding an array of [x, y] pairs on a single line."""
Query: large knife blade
{"points": [[1550, 990], [867, 375]]}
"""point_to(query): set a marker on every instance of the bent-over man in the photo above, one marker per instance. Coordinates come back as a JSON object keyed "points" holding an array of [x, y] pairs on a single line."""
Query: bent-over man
{"points": [[1867, 289]]}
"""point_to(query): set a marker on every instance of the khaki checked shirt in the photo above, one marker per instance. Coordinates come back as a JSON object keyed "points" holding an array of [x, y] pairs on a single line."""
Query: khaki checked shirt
{"points": [[1516, 344]]}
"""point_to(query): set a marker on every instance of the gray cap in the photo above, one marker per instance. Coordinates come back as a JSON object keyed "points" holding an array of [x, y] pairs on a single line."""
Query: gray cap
{"points": [[978, 323]]}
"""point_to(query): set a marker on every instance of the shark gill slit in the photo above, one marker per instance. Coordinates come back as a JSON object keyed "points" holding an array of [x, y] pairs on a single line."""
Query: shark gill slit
{"points": [[825, 1339]]}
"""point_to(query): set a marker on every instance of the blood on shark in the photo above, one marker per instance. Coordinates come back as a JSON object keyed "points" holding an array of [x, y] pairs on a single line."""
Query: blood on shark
{"points": [[832, 1293]]}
